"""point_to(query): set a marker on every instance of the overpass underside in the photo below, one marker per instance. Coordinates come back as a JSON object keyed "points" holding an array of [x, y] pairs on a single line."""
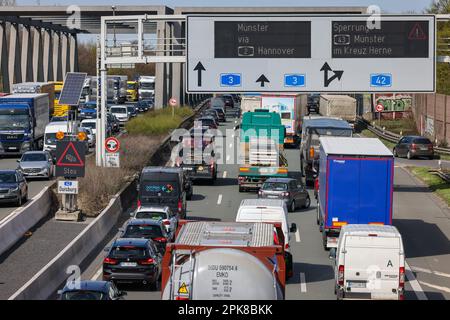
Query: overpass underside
{"points": [[40, 43]]}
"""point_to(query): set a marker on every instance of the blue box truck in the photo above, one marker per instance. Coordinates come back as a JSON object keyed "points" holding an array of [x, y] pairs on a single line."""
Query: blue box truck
{"points": [[23, 118], [356, 179]]}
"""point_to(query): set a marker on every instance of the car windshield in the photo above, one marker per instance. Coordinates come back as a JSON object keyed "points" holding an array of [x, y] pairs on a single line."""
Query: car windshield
{"points": [[143, 231], [7, 178], [275, 186], [34, 157], [150, 215], [119, 110], [147, 85], [83, 295], [131, 86], [422, 141], [88, 125], [131, 251]]}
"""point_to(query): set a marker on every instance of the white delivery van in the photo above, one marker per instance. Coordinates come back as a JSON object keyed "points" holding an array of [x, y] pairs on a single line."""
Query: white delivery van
{"points": [[120, 112], [369, 263], [50, 135], [266, 210]]}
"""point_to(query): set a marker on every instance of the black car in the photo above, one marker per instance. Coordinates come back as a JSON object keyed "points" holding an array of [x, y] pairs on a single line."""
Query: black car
{"points": [[147, 229], [13, 187], [206, 121], [229, 101], [113, 123], [132, 260], [91, 290], [165, 186], [144, 105], [221, 112], [132, 112], [211, 113]]}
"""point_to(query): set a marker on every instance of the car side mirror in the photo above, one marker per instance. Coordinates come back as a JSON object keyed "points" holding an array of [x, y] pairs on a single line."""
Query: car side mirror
{"points": [[132, 214], [332, 253], [121, 229], [18, 160], [106, 249], [293, 227]]}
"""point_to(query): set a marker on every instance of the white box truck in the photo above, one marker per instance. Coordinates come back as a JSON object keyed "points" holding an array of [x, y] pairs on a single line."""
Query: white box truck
{"points": [[37, 87], [341, 106], [369, 263]]}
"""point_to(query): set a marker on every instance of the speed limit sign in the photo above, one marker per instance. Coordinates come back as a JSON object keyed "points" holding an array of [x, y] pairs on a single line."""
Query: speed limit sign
{"points": [[379, 108]]}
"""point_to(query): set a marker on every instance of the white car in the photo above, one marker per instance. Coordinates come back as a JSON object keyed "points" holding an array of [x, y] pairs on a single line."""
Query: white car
{"points": [[169, 218], [121, 113], [369, 263], [90, 135], [90, 123]]}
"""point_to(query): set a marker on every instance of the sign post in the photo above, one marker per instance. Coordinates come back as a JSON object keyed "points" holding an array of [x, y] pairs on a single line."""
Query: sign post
{"points": [[252, 53], [379, 108]]}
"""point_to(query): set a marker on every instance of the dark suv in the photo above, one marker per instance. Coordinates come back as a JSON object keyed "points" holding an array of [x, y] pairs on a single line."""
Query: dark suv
{"points": [[147, 229], [165, 186], [290, 190], [133, 260]]}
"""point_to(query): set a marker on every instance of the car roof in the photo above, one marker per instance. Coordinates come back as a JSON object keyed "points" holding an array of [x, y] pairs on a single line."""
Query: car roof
{"points": [[354, 146], [161, 169], [87, 285], [138, 222], [153, 208], [36, 152], [88, 120], [323, 122], [365, 229], [139, 242], [262, 202], [283, 180]]}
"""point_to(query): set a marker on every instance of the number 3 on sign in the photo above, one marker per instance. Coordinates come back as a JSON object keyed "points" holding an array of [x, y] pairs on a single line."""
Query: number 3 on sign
{"points": [[230, 80], [381, 80]]}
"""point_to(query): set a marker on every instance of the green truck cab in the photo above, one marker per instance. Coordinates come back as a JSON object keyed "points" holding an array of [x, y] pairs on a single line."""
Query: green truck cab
{"points": [[261, 149]]}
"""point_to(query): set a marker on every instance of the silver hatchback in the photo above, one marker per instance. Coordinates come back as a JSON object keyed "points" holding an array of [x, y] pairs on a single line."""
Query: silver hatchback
{"points": [[36, 164], [290, 190]]}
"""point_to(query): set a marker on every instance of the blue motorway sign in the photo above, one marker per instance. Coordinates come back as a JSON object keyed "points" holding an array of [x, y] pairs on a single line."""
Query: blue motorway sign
{"points": [[230, 79], [294, 80], [381, 80]]}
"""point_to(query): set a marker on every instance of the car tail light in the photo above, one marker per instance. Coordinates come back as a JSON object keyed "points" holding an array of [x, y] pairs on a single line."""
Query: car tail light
{"points": [[401, 281], [413, 146], [341, 275], [180, 206], [160, 239], [260, 192], [316, 184], [430, 147], [311, 152], [108, 260], [146, 261], [166, 222], [286, 246], [282, 171], [212, 166], [139, 203], [286, 194]]}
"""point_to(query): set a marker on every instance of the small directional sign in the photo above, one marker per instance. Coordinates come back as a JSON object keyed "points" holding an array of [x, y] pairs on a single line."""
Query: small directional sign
{"points": [[257, 53], [70, 159]]}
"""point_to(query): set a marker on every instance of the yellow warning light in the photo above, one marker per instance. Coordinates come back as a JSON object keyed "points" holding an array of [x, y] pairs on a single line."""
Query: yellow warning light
{"points": [[81, 136], [59, 135]]}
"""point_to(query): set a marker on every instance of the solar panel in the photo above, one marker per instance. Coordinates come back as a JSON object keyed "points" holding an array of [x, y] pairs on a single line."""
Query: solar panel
{"points": [[73, 85]]}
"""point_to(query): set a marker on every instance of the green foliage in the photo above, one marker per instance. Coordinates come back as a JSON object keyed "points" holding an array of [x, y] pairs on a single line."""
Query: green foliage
{"points": [[435, 183], [158, 122]]}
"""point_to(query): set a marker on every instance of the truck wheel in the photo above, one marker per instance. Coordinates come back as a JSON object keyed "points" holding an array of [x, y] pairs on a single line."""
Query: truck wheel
{"points": [[395, 153]]}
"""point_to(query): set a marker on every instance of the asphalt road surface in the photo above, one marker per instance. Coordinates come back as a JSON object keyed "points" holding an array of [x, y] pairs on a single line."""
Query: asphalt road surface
{"points": [[423, 223]]}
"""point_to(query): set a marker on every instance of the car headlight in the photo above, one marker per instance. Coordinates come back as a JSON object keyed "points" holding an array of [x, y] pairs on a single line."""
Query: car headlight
{"points": [[14, 189], [26, 145]]}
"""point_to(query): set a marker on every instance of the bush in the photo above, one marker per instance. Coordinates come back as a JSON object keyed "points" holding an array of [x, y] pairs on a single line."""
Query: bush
{"points": [[158, 122], [100, 184]]}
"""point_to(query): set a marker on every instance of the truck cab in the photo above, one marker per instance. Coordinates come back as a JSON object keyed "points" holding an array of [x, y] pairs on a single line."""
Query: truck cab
{"points": [[369, 263], [146, 87], [132, 91]]}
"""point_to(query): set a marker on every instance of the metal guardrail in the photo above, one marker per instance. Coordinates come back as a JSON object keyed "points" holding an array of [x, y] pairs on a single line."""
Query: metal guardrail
{"points": [[392, 137]]}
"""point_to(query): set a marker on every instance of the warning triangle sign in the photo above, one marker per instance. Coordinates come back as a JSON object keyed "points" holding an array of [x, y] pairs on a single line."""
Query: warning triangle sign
{"points": [[70, 157], [183, 288], [417, 33]]}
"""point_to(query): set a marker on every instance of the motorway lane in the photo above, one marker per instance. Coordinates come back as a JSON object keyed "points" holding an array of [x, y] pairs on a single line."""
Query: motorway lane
{"points": [[415, 213], [34, 186]]}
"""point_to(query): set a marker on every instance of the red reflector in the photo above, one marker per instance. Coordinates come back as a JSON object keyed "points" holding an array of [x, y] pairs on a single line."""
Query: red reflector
{"points": [[109, 261], [160, 239], [166, 222], [181, 298], [373, 235], [180, 206], [275, 238], [286, 246]]}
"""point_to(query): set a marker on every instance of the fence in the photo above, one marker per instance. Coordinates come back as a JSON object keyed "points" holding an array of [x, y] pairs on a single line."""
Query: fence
{"points": [[432, 116]]}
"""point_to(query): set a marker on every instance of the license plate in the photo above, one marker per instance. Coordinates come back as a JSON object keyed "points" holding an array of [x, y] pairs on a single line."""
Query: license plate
{"points": [[188, 169], [12, 148], [128, 264], [424, 149], [200, 168], [2, 196], [272, 197], [357, 285]]}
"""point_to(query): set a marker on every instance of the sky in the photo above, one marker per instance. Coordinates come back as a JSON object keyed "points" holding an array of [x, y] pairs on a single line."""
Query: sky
{"points": [[388, 6]]}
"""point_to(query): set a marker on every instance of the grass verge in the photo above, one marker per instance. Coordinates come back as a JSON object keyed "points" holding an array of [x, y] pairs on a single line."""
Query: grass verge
{"points": [[436, 183], [406, 126], [158, 122], [369, 134]]}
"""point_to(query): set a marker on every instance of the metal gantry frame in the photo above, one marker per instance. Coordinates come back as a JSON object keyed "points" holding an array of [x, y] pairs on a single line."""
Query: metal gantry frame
{"points": [[165, 56]]}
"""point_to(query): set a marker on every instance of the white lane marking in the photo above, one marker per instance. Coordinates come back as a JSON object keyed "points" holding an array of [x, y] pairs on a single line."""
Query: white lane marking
{"points": [[297, 236], [228, 158], [97, 274], [414, 283], [235, 121], [232, 135], [438, 273], [231, 145], [302, 282], [219, 200], [445, 289], [224, 174]]}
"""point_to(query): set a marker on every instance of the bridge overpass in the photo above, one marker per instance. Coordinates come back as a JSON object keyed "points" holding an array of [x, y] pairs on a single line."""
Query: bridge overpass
{"points": [[39, 43]]}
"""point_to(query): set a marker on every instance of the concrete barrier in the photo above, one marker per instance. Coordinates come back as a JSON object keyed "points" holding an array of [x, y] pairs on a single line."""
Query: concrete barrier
{"points": [[14, 226], [51, 276], [45, 283]]}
